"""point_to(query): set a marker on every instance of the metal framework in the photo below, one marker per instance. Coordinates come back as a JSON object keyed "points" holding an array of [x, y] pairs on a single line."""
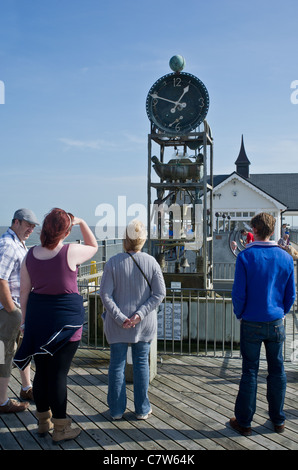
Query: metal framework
{"points": [[182, 183]]}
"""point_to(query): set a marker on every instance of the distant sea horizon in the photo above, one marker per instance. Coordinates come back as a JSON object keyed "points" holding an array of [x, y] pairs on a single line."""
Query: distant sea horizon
{"points": [[74, 236]]}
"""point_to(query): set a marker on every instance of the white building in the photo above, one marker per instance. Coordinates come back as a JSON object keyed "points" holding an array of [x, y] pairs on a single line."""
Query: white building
{"points": [[239, 196]]}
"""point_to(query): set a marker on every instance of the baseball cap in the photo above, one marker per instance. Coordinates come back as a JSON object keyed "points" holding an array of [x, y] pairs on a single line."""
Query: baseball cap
{"points": [[26, 214]]}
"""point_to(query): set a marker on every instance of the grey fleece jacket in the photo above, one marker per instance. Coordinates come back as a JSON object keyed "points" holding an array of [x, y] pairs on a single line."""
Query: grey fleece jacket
{"points": [[124, 291]]}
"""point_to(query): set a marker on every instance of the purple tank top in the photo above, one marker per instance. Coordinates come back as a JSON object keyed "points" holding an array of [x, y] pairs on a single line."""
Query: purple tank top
{"points": [[52, 276]]}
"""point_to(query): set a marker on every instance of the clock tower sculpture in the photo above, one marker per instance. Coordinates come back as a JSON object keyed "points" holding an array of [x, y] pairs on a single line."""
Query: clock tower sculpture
{"points": [[179, 221]]}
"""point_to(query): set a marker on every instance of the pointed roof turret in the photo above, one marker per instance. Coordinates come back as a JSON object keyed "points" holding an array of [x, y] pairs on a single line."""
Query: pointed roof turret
{"points": [[242, 163]]}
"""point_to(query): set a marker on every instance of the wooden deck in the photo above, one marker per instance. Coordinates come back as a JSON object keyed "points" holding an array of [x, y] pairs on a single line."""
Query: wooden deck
{"points": [[192, 400]]}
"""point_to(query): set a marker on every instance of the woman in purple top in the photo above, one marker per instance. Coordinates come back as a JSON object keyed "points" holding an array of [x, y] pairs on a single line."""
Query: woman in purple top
{"points": [[53, 316]]}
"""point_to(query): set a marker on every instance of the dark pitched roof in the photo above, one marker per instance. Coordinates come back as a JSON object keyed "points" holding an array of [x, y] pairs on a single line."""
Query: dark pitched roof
{"points": [[281, 186]]}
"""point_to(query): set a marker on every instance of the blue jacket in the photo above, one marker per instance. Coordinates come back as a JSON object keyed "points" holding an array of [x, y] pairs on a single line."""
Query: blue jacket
{"points": [[264, 283]]}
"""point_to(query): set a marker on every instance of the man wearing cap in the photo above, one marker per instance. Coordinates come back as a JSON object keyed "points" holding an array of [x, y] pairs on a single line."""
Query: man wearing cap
{"points": [[12, 253]]}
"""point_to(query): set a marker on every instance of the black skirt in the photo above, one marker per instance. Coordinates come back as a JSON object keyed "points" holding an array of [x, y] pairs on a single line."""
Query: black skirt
{"points": [[51, 320]]}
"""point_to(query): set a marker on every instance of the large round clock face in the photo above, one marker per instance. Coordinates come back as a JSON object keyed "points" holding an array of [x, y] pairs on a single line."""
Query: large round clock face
{"points": [[177, 103]]}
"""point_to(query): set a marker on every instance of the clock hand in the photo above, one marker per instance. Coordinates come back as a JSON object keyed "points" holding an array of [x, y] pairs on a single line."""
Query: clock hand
{"points": [[179, 105], [155, 96], [185, 90], [176, 103], [176, 120]]}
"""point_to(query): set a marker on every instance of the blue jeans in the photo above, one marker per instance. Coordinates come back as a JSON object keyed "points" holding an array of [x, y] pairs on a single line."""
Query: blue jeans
{"points": [[252, 336], [117, 386]]}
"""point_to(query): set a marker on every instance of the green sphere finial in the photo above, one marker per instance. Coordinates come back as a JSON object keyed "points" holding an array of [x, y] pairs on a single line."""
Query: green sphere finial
{"points": [[177, 63]]}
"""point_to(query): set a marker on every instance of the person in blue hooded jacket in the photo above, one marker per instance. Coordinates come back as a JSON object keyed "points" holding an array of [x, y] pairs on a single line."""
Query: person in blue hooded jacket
{"points": [[263, 293]]}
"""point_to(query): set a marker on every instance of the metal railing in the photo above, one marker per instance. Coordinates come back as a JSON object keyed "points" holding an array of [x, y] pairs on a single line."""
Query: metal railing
{"points": [[199, 322], [190, 321], [294, 236], [224, 270], [194, 322]]}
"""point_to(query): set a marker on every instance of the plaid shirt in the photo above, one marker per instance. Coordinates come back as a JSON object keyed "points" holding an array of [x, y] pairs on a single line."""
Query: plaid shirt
{"points": [[12, 253]]}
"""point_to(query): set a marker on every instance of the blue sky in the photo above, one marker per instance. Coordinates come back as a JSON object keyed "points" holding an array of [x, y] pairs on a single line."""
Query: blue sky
{"points": [[73, 128]]}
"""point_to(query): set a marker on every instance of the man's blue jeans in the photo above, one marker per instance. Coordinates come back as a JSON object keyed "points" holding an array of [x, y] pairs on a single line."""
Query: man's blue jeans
{"points": [[272, 334], [117, 386]]}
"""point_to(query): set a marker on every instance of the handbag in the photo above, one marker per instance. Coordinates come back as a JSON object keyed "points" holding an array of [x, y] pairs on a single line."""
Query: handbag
{"points": [[139, 269]]}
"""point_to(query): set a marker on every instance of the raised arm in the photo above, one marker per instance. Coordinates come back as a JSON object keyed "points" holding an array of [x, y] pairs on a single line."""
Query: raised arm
{"points": [[78, 254]]}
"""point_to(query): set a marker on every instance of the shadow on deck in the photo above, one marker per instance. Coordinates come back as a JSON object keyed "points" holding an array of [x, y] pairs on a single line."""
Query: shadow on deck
{"points": [[192, 399]]}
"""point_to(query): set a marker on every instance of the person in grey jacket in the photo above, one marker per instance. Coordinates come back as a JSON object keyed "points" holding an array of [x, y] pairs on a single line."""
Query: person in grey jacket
{"points": [[131, 289]]}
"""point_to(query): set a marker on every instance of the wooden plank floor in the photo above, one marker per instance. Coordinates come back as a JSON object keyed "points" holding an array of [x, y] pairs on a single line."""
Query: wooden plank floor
{"points": [[192, 400]]}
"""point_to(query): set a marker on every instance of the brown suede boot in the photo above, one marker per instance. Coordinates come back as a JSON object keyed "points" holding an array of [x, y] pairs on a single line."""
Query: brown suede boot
{"points": [[63, 430], [44, 422]]}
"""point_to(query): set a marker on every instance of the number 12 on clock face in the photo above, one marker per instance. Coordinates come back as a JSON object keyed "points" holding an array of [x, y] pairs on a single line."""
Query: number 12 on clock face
{"points": [[177, 104]]}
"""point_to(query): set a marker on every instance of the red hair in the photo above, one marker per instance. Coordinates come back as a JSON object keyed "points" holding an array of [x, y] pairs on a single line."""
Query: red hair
{"points": [[56, 225]]}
